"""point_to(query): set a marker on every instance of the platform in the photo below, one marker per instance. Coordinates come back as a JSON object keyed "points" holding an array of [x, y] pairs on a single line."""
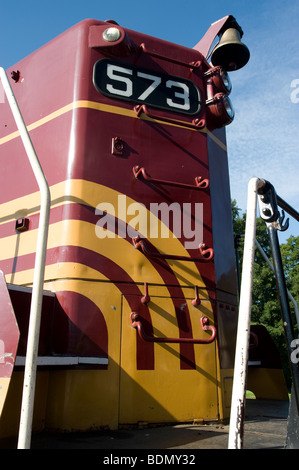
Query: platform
{"points": [[265, 428]]}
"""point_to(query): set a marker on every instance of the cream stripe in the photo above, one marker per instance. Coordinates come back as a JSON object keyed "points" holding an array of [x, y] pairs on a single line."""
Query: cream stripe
{"points": [[40, 122], [82, 234], [99, 107], [4, 383], [78, 233]]}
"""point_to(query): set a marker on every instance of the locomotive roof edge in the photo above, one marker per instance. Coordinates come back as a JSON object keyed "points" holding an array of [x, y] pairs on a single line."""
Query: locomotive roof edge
{"points": [[88, 22]]}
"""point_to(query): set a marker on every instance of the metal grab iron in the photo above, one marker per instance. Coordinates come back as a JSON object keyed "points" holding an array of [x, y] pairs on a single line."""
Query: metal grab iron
{"points": [[196, 300], [200, 183], [196, 124], [140, 244], [137, 323], [146, 298], [190, 65]]}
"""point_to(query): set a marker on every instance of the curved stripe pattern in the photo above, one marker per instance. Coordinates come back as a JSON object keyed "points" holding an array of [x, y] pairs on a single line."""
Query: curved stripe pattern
{"points": [[70, 249]]}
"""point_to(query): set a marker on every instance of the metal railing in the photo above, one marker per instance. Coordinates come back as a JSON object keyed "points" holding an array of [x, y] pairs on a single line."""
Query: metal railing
{"points": [[24, 441], [263, 192]]}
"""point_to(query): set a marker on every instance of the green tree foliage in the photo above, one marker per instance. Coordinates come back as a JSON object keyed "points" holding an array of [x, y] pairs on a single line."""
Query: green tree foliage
{"points": [[265, 303]]}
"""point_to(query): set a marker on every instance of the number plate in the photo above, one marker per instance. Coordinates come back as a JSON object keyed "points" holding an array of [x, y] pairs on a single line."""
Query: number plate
{"points": [[126, 82]]}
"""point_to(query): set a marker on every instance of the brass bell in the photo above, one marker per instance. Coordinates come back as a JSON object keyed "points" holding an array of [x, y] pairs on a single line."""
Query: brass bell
{"points": [[230, 53]]}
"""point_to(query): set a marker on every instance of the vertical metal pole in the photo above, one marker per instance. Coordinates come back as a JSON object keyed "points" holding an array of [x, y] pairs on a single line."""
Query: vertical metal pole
{"points": [[38, 279], [236, 428], [284, 305], [291, 298], [236, 240]]}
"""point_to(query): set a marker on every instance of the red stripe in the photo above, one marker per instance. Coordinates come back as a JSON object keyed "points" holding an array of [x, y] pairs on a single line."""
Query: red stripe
{"points": [[145, 354], [107, 267], [86, 333]]}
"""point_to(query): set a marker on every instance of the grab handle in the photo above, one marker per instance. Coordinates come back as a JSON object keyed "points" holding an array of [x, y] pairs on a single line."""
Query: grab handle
{"points": [[199, 182], [196, 124], [137, 323], [190, 65], [207, 254]]}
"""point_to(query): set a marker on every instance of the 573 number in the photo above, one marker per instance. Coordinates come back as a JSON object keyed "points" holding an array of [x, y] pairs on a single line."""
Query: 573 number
{"points": [[134, 84]]}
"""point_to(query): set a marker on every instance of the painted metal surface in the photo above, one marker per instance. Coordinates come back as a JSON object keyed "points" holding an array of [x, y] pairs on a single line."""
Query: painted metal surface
{"points": [[39, 268], [88, 144], [9, 339]]}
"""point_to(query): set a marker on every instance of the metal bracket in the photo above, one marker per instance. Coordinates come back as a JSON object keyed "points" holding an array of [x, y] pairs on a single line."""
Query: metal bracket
{"points": [[268, 206]]}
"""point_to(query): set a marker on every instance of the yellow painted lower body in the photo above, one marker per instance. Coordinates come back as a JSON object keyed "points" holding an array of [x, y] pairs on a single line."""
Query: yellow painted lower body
{"points": [[267, 384], [84, 399], [69, 400]]}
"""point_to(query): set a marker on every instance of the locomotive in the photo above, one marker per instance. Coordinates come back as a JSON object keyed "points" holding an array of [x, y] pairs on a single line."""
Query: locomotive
{"points": [[139, 303]]}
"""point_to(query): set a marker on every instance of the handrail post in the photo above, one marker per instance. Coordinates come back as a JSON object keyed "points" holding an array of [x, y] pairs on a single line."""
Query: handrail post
{"points": [[272, 269], [235, 440], [39, 269]]}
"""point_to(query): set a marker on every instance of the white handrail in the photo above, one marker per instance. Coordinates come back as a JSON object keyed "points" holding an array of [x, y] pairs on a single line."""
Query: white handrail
{"points": [[235, 440], [39, 269]]}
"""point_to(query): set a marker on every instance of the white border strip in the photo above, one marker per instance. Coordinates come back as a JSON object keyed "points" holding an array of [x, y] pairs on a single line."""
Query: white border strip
{"points": [[254, 363], [63, 360]]}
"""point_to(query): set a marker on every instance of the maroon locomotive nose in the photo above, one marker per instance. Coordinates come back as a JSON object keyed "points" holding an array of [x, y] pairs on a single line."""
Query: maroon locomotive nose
{"points": [[129, 132]]}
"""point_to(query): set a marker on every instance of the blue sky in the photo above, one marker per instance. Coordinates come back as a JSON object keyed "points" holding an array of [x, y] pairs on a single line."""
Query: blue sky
{"points": [[263, 139]]}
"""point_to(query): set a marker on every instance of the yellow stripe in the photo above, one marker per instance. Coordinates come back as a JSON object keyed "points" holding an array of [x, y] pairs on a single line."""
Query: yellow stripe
{"points": [[40, 122], [66, 192], [78, 233], [99, 107], [4, 384], [122, 253]]}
